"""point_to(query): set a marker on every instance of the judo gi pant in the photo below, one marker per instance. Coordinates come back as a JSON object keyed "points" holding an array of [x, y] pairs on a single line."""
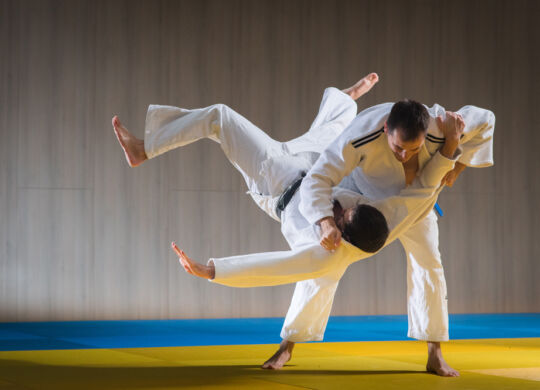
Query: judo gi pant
{"points": [[243, 143], [427, 305]]}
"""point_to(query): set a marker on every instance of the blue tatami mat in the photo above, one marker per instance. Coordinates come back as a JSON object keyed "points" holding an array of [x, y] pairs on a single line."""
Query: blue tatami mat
{"points": [[171, 333]]}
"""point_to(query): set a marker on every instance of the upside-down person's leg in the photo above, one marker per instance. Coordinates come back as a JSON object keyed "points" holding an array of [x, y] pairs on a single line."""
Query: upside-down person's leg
{"points": [[132, 146], [336, 111], [362, 86], [245, 145], [427, 305]]}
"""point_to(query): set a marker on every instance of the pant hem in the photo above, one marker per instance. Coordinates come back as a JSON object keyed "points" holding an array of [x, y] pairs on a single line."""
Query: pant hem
{"points": [[426, 337], [299, 339]]}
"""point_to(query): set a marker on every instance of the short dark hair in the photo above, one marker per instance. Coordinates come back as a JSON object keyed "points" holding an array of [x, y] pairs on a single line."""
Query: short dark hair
{"points": [[368, 229], [411, 117]]}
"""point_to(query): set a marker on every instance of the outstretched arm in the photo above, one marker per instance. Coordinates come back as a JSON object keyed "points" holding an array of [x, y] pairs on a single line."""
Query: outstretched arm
{"points": [[271, 268]]}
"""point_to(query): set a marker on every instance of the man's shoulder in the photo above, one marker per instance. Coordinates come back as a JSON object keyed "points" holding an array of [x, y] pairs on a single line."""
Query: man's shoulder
{"points": [[368, 125], [367, 139]]}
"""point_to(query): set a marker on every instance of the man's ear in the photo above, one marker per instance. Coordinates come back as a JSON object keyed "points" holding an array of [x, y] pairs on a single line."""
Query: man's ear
{"points": [[385, 127]]}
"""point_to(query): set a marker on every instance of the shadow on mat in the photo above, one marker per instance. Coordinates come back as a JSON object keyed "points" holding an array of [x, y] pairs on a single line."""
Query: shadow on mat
{"points": [[141, 376]]}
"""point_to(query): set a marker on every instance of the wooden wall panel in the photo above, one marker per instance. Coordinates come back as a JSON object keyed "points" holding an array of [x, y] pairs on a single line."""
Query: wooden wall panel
{"points": [[377, 285], [8, 154], [240, 230], [54, 254], [104, 229], [56, 52]]}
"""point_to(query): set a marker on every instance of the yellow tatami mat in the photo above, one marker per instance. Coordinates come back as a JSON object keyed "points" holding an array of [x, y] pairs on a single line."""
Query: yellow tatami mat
{"points": [[483, 364]]}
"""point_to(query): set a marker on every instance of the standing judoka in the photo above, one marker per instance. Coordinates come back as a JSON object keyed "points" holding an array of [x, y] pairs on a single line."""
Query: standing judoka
{"points": [[382, 150]]}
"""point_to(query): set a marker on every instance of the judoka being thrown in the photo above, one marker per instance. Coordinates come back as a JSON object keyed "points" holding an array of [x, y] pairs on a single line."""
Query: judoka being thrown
{"points": [[272, 170]]}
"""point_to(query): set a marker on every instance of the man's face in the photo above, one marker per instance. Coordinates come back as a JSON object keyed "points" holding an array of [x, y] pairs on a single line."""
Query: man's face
{"points": [[403, 150]]}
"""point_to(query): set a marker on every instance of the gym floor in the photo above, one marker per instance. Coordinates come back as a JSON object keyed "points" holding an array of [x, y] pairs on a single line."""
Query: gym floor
{"points": [[491, 351]]}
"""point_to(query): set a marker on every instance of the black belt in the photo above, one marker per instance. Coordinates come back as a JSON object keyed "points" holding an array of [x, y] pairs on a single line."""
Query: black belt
{"points": [[287, 195]]}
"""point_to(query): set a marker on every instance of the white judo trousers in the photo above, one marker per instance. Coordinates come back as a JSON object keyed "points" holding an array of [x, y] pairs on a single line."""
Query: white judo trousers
{"points": [[427, 306]]}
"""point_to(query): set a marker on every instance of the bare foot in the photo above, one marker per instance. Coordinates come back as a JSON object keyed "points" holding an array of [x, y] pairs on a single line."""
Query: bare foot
{"points": [[282, 356], [133, 147], [192, 267], [436, 364], [363, 86]]}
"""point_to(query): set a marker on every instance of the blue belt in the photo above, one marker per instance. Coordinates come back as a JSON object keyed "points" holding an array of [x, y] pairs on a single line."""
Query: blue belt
{"points": [[438, 209]]}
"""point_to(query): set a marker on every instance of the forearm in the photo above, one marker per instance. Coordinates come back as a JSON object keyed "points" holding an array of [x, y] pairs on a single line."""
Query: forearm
{"points": [[316, 198], [336, 162], [449, 148], [437, 167]]}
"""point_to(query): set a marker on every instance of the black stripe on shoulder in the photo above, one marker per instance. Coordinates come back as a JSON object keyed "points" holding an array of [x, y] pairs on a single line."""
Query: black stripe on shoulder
{"points": [[368, 138], [436, 140]]}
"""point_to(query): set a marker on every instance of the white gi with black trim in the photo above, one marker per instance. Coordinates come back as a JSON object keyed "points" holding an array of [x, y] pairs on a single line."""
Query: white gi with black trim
{"points": [[363, 153]]}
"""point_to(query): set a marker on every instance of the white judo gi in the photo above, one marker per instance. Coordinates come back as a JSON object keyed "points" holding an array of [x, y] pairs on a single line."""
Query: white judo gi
{"points": [[362, 152], [307, 259]]}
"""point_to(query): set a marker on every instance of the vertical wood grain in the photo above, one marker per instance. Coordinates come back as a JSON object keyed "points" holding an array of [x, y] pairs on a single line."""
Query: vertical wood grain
{"points": [[103, 229]]}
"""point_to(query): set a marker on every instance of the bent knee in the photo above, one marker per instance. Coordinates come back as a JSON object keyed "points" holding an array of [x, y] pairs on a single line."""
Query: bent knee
{"points": [[221, 108]]}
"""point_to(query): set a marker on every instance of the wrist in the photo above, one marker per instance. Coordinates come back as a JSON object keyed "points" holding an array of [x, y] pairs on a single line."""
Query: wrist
{"points": [[326, 222], [452, 140], [449, 149]]}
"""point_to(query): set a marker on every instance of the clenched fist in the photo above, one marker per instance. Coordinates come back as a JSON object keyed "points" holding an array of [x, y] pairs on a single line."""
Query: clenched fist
{"points": [[452, 126], [331, 235]]}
